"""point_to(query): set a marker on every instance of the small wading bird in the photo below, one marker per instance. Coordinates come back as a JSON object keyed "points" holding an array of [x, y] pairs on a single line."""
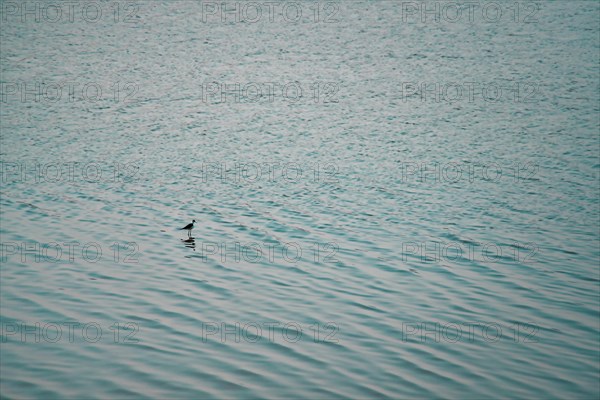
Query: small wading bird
{"points": [[189, 228]]}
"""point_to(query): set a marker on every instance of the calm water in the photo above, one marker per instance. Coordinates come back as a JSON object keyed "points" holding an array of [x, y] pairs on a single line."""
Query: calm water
{"points": [[367, 239]]}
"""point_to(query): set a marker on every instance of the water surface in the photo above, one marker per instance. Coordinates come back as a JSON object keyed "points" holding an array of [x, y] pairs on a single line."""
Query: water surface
{"points": [[369, 234]]}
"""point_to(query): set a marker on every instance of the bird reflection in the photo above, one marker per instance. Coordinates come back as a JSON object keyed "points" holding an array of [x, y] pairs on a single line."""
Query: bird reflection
{"points": [[190, 242]]}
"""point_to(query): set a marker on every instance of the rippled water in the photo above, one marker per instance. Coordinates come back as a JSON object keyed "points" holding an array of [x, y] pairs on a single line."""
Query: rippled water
{"points": [[380, 215]]}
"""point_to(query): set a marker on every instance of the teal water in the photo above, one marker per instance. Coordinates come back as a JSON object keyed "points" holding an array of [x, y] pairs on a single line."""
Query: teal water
{"points": [[383, 216]]}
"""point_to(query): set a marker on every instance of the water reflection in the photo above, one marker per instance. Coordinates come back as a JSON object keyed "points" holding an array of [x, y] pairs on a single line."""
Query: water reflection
{"points": [[190, 242]]}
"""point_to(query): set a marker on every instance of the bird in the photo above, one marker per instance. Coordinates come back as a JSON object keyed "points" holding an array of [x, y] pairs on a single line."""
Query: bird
{"points": [[189, 227]]}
